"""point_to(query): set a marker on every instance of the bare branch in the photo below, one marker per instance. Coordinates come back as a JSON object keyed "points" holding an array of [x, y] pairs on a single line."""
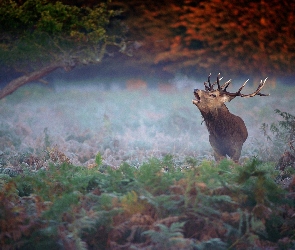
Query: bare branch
{"points": [[34, 76]]}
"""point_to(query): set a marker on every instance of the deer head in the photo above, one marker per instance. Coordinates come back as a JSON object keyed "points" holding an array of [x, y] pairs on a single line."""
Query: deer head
{"points": [[227, 132], [211, 98]]}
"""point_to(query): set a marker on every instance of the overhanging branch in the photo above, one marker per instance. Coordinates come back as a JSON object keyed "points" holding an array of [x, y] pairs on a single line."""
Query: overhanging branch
{"points": [[36, 75]]}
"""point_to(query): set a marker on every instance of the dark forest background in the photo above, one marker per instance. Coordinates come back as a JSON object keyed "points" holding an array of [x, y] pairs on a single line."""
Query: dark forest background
{"points": [[163, 38]]}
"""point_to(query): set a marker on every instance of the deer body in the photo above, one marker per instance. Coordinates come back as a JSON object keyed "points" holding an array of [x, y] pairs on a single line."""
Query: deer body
{"points": [[227, 132]]}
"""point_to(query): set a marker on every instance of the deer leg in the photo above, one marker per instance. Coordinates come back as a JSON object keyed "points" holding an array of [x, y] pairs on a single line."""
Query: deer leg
{"points": [[218, 156], [235, 153], [218, 152]]}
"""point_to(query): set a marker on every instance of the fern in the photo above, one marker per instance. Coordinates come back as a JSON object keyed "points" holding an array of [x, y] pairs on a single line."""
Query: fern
{"points": [[257, 181], [223, 206], [166, 237], [215, 175], [152, 177], [98, 159], [283, 132], [214, 244], [62, 205], [167, 205], [132, 204], [57, 180], [4, 178]]}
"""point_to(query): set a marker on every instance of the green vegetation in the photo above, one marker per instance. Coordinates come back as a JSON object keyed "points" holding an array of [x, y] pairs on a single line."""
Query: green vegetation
{"points": [[39, 32], [153, 184], [283, 131], [40, 36], [155, 206]]}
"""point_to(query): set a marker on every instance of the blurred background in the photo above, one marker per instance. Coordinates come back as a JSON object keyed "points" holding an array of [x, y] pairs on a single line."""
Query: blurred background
{"points": [[163, 39], [117, 77]]}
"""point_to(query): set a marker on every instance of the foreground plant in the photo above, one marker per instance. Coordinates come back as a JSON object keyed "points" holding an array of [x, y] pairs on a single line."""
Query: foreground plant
{"points": [[282, 136], [154, 206]]}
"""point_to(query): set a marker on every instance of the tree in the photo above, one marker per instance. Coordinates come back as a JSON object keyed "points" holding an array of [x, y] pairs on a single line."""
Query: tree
{"points": [[256, 36], [148, 25], [233, 35], [39, 36]]}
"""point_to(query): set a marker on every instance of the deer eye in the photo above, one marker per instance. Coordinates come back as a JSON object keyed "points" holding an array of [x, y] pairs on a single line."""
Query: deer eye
{"points": [[213, 95]]}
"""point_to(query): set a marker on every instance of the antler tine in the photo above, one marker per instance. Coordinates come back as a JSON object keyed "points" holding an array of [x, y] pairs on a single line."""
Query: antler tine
{"points": [[208, 88], [218, 81], [262, 87], [238, 93], [257, 91], [210, 85], [244, 84], [225, 85]]}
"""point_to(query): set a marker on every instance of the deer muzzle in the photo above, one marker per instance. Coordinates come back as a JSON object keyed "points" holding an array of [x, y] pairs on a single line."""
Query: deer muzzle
{"points": [[198, 99]]}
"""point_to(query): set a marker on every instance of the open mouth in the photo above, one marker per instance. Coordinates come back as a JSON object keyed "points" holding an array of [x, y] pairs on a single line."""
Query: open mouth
{"points": [[198, 99]]}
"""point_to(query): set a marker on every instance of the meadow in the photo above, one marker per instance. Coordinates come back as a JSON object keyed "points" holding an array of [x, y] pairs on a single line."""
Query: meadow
{"points": [[82, 120], [85, 167]]}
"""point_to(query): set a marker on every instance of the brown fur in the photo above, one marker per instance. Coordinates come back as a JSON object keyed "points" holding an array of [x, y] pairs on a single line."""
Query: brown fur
{"points": [[227, 132]]}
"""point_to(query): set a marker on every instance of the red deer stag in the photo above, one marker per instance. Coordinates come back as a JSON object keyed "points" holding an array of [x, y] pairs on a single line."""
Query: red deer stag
{"points": [[227, 132]]}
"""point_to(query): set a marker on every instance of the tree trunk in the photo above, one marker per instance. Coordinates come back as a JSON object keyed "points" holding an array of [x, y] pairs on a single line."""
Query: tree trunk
{"points": [[15, 84]]}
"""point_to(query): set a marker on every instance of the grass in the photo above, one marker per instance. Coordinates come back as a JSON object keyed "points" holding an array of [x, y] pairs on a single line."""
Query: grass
{"points": [[91, 169], [124, 125]]}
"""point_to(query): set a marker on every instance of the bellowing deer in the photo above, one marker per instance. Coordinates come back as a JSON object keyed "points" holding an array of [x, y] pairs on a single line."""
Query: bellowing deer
{"points": [[227, 132]]}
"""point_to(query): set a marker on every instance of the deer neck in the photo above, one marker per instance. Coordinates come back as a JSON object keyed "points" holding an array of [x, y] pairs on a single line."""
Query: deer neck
{"points": [[214, 116], [215, 112]]}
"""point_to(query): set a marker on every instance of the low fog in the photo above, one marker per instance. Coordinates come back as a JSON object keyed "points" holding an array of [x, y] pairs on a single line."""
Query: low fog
{"points": [[127, 121]]}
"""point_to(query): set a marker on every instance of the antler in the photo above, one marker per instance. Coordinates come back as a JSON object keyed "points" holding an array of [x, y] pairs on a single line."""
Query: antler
{"points": [[225, 85], [209, 87], [256, 92]]}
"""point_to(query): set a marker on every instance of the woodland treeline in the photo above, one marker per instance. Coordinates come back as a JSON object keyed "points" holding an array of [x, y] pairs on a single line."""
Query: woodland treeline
{"points": [[240, 37], [156, 37], [189, 36]]}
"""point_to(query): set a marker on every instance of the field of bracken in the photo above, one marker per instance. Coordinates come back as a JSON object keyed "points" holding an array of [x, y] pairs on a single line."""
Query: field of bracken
{"points": [[82, 167]]}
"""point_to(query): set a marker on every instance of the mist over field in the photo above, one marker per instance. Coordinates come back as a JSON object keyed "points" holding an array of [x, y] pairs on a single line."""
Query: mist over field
{"points": [[101, 146], [125, 123]]}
